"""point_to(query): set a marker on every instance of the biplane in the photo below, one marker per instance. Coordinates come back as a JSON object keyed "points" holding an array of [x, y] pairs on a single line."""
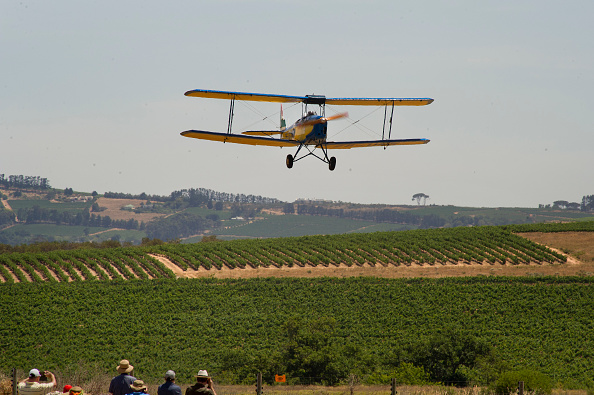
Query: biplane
{"points": [[311, 130]]}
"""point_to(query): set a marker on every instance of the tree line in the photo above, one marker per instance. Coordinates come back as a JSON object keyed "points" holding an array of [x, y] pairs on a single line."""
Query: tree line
{"points": [[196, 197], [38, 214], [586, 205], [21, 181]]}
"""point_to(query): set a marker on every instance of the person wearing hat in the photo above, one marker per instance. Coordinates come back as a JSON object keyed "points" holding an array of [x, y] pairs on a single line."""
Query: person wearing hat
{"points": [[138, 387], [169, 387], [120, 385], [76, 390], [203, 386], [32, 385]]}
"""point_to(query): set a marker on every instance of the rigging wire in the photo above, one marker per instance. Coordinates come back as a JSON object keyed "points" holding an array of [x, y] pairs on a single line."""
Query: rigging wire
{"points": [[369, 131], [264, 117]]}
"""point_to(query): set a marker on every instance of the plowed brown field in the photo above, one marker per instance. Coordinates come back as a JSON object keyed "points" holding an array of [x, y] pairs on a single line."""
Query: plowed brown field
{"points": [[114, 209]]}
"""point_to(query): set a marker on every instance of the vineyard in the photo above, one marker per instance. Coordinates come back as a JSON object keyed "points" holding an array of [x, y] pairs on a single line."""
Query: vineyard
{"points": [[107, 304], [234, 327], [437, 247]]}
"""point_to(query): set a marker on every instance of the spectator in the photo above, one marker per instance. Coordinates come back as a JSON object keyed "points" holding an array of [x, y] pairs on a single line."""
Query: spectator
{"points": [[66, 389], [139, 387], [120, 385], [203, 386], [32, 385], [169, 387]]}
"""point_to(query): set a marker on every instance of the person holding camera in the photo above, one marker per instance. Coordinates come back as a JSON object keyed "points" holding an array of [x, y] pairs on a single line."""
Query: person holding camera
{"points": [[33, 384], [203, 386]]}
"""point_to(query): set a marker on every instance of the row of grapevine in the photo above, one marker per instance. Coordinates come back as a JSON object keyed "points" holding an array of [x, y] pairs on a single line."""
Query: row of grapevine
{"points": [[483, 245], [490, 245], [79, 265]]}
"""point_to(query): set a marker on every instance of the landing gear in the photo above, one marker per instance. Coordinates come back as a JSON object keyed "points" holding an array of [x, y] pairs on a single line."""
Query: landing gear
{"points": [[332, 163]]}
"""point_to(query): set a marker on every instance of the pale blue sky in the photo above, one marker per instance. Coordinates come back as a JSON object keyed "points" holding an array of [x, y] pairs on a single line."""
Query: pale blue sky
{"points": [[91, 96]]}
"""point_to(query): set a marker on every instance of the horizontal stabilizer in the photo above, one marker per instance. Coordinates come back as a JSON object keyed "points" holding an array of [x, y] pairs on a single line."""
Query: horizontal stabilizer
{"points": [[262, 132]]}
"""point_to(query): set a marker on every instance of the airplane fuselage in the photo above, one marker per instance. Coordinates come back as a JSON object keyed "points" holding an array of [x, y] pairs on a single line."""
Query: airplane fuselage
{"points": [[307, 130]]}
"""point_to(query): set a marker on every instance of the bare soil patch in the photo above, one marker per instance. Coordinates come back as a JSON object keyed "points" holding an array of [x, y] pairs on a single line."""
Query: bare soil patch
{"points": [[114, 209]]}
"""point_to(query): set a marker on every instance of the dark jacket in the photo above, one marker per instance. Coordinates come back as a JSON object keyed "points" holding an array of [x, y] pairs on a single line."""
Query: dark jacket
{"points": [[169, 388], [120, 385], [199, 389]]}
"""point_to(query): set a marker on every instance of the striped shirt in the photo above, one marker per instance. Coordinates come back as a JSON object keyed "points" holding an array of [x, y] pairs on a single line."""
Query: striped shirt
{"points": [[34, 388]]}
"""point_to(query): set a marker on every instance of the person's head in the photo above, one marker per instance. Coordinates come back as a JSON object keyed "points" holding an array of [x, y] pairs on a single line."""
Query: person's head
{"points": [[124, 366], [76, 390], [170, 375], [66, 388], [34, 375], [138, 386], [202, 377]]}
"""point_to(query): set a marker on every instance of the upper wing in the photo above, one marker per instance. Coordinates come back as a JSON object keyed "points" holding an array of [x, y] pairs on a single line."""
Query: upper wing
{"points": [[244, 96], [362, 101], [309, 99], [373, 143], [239, 139]]}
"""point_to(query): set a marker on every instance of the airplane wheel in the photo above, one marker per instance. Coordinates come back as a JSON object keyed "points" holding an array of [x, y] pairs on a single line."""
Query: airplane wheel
{"points": [[289, 161], [332, 163]]}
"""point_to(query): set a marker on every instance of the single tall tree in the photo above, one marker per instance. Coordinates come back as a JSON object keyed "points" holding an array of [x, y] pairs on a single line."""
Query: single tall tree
{"points": [[419, 196]]}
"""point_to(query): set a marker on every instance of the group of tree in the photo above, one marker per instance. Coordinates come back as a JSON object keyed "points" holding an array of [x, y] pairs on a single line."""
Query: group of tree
{"points": [[418, 197], [21, 181], [178, 226], [7, 217], [313, 353], [587, 204]]}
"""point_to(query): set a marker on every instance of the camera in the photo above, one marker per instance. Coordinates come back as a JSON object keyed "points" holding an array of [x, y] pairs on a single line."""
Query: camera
{"points": [[43, 377]]}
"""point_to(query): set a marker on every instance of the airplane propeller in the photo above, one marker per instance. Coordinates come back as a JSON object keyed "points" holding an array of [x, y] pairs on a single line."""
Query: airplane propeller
{"points": [[326, 119]]}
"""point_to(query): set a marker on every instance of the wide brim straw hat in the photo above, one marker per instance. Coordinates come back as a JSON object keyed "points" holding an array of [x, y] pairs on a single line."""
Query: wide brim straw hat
{"points": [[202, 374], [138, 385], [124, 366]]}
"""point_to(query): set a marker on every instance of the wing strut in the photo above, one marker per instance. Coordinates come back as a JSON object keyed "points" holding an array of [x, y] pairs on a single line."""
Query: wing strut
{"points": [[391, 117], [231, 107]]}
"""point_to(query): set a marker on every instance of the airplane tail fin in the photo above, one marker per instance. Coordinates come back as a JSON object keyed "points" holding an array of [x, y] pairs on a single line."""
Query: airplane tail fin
{"points": [[283, 124]]}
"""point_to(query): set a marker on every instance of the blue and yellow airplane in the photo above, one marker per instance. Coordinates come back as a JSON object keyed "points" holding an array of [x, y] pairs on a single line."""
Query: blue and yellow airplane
{"points": [[310, 130]]}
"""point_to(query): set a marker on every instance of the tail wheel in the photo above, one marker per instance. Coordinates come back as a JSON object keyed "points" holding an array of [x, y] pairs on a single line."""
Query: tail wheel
{"points": [[289, 161], [332, 163]]}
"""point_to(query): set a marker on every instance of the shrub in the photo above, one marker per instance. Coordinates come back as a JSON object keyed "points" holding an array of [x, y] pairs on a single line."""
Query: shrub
{"points": [[534, 382]]}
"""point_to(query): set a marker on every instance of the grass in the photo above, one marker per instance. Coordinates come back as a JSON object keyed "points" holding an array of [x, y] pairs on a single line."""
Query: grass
{"points": [[76, 233], [223, 214], [70, 206], [301, 225], [55, 231]]}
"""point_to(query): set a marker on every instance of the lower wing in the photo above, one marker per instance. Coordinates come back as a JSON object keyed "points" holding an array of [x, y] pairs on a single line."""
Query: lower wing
{"points": [[239, 139], [373, 143]]}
